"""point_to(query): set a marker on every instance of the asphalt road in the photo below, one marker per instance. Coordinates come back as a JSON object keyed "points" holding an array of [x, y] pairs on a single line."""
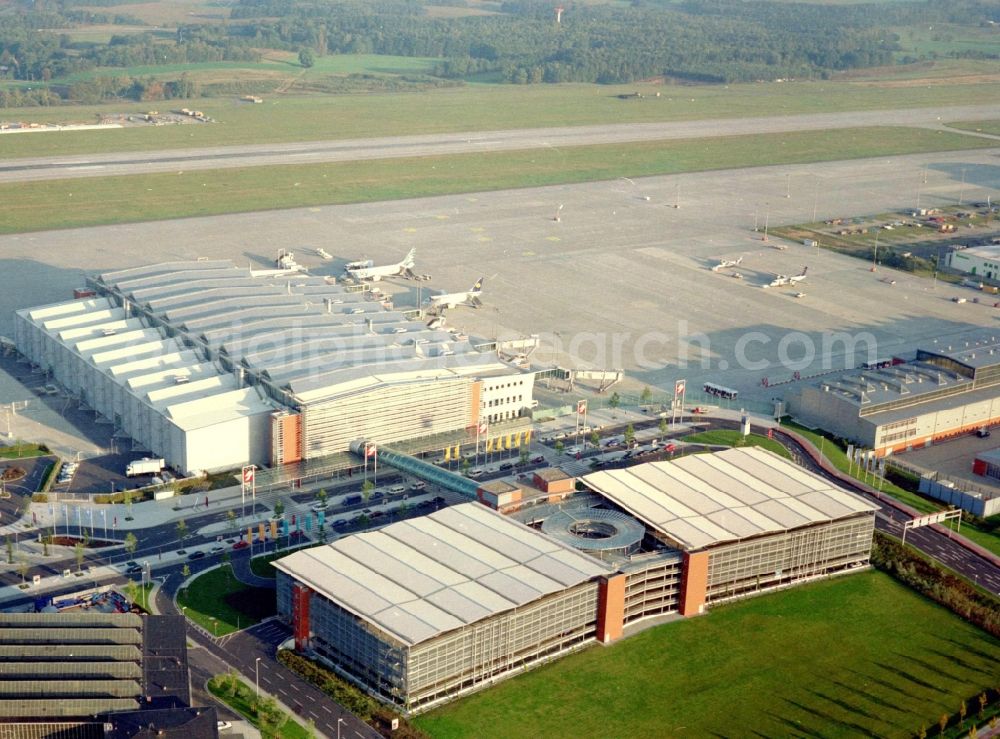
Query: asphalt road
{"points": [[222, 157]]}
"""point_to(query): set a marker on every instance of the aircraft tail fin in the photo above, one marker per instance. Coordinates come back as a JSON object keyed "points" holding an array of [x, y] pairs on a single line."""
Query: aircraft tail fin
{"points": [[478, 287]]}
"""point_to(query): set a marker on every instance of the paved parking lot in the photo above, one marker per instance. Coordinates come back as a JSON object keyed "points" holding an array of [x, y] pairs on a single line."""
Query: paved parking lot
{"points": [[953, 459]]}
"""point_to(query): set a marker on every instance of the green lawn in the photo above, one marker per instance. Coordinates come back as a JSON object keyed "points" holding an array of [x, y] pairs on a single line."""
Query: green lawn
{"points": [[855, 656], [33, 206], [243, 703], [469, 108], [731, 437], [984, 537], [992, 127], [221, 604], [261, 566], [21, 450]]}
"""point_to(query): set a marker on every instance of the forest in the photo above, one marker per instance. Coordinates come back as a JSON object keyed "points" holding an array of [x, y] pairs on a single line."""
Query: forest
{"points": [[703, 41]]}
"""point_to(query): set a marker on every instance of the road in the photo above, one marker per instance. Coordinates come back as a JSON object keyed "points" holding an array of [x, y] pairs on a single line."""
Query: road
{"points": [[223, 157]]}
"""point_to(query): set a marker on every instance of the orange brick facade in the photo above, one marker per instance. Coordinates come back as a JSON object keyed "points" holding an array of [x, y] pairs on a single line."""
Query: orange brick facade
{"points": [[694, 583], [611, 608]]}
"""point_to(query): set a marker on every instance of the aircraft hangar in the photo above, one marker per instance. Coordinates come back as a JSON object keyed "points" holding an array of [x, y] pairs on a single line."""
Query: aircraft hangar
{"points": [[212, 366]]}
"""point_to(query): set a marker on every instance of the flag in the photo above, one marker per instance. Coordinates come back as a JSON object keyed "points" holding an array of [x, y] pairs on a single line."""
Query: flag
{"points": [[447, 454], [274, 529], [489, 445], [481, 429], [284, 527], [322, 519], [770, 433], [260, 531], [309, 523], [370, 450], [850, 452], [517, 440], [457, 453], [527, 436], [250, 532], [581, 407]]}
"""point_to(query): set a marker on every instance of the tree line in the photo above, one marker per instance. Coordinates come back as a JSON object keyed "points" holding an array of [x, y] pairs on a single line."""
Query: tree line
{"points": [[702, 41]]}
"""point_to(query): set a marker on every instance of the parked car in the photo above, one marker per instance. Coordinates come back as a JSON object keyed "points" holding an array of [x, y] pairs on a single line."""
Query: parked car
{"points": [[134, 569], [397, 489], [983, 433], [196, 555], [573, 451], [418, 485], [537, 459], [319, 506], [217, 549], [242, 544], [338, 523], [352, 500]]}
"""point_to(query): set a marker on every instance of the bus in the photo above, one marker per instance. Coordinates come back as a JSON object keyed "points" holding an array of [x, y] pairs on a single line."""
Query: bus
{"points": [[878, 364], [720, 391]]}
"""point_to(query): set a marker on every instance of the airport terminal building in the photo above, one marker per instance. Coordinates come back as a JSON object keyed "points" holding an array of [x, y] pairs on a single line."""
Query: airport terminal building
{"points": [[423, 610], [951, 388], [211, 366]]}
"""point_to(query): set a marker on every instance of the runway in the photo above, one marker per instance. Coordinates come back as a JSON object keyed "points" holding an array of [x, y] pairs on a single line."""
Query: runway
{"points": [[224, 157]]}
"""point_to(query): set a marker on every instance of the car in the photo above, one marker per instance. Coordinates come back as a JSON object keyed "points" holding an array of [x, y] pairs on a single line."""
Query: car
{"points": [[319, 506], [477, 472], [397, 489], [133, 570], [181, 552], [131, 563], [196, 555], [504, 466], [983, 433], [223, 725], [418, 485], [439, 500], [352, 500], [573, 451], [242, 544], [377, 495], [537, 459], [492, 470], [338, 523], [217, 549], [367, 511], [377, 514], [425, 504]]}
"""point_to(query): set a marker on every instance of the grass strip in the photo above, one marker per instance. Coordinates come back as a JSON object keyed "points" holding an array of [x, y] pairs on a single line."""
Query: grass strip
{"points": [[34, 206], [240, 697], [984, 535], [731, 437], [285, 118]]}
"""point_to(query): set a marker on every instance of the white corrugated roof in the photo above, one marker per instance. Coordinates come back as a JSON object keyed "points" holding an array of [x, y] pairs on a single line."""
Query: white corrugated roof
{"points": [[419, 578], [705, 499]]}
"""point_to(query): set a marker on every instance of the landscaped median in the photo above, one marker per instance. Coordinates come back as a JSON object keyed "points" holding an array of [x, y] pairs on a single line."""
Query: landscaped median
{"points": [[221, 604], [732, 438], [264, 713]]}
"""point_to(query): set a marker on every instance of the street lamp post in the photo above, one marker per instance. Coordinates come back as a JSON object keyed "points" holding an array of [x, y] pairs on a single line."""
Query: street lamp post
{"points": [[256, 680]]}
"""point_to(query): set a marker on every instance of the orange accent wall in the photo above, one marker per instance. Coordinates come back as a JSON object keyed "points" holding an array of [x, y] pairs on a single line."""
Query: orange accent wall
{"points": [[694, 583], [300, 615], [291, 430], [611, 608], [476, 401]]}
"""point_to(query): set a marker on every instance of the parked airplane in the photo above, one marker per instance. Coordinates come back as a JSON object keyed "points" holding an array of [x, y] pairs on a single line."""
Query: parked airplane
{"points": [[368, 271], [726, 263], [780, 280], [450, 300]]}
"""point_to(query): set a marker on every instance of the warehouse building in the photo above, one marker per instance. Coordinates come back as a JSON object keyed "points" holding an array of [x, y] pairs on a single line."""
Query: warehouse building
{"points": [[271, 367], [424, 610], [979, 261], [951, 388]]}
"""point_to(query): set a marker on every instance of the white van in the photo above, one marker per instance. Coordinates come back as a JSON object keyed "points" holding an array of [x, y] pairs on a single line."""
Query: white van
{"points": [[397, 489]]}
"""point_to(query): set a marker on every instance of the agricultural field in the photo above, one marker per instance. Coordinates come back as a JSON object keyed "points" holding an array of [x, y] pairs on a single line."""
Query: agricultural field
{"points": [[856, 656], [33, 206], [285, 118]]}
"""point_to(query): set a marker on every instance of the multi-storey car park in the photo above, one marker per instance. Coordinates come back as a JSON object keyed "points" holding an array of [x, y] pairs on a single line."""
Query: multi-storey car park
{"points": [[211, 366], [423, 610], [950, 388]]}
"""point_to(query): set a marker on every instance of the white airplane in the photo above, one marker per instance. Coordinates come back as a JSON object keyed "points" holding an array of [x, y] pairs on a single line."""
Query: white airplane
{"points": [[780, 280], [368, 271], [450, 300], [727, 263]]}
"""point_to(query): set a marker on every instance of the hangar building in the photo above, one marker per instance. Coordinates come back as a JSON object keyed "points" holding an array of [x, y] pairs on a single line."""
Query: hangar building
{"points": [[952, 388], [423, 610], [212, 366]]}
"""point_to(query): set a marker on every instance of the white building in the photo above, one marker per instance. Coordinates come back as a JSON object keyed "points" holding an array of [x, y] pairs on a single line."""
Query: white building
{"points": [[980, 261], [212, 366]]}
